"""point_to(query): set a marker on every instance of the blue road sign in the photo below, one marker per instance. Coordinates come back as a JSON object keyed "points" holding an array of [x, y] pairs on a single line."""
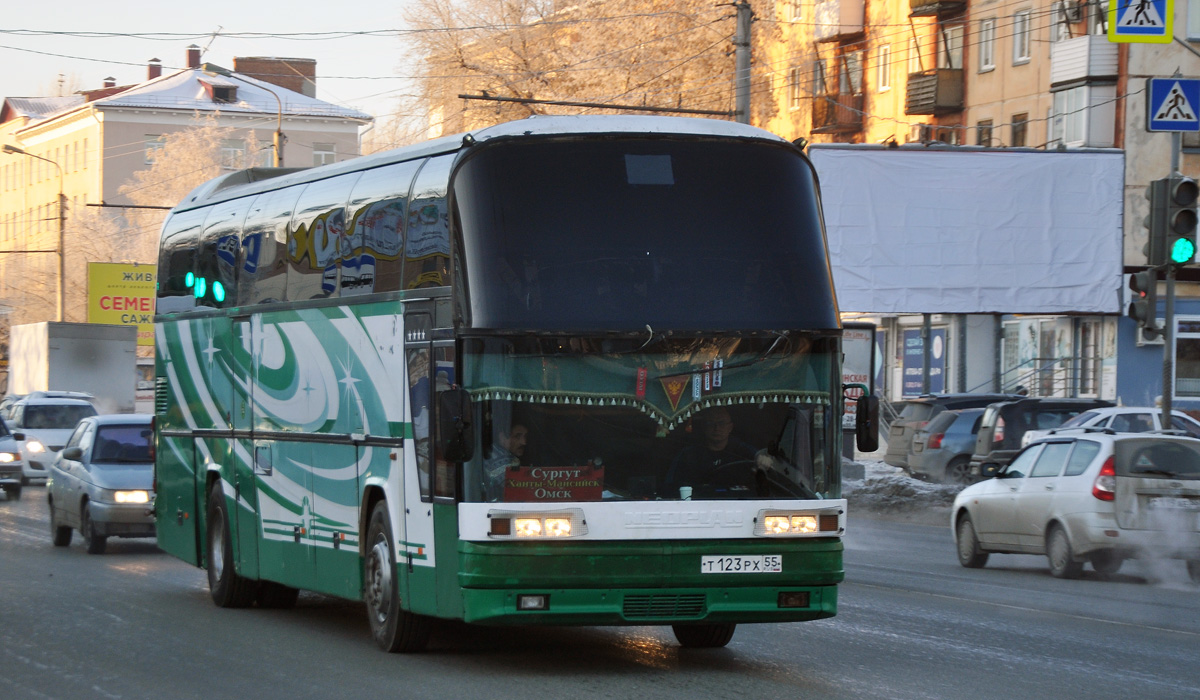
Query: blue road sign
{"points": [[1144, 21], [1171, 104]]}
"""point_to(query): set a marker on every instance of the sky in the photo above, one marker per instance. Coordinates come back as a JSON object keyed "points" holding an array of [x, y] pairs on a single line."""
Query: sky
{"points": [[363, 72]]}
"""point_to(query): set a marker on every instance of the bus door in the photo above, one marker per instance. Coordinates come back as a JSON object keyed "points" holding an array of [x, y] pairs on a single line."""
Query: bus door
{"points": [[336, 463], [245, 516], [282, 472], [176, 502], [414, 551]]}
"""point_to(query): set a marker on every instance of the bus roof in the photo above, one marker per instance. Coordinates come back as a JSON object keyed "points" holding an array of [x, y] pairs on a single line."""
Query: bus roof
{"points": [[255, 180]]}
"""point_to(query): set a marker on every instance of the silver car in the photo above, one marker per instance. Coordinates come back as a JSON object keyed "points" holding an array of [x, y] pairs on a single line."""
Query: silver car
{"points": [[1094, 497], [102, 482]]}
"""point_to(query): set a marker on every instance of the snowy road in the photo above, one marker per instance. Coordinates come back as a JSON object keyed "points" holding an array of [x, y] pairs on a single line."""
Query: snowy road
{"points": [[136, 623]]}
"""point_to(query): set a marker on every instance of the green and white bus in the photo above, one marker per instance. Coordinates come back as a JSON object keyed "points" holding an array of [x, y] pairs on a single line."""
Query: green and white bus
{"points": [[485, 378]]}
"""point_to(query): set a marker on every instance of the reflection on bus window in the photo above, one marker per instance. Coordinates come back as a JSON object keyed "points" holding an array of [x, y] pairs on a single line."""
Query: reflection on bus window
{"points": [[317, 239], [264, 246], [427, 248], [377, 208]]}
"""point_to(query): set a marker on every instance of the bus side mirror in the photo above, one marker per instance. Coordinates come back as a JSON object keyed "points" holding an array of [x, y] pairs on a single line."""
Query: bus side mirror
{"points": [[866, 423], [456, 438]]}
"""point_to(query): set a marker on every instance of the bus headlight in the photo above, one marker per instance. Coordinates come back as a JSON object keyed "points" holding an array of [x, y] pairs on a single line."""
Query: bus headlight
{"points": [[777, 524], [529, 527], [534, 525]]}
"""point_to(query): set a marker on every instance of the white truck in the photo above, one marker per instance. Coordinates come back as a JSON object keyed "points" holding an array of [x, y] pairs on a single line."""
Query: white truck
{"points": [[95, 358]]}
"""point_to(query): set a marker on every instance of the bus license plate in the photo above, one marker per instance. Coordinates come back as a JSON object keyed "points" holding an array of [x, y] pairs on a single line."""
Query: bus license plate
{"points": [[765, 564]]}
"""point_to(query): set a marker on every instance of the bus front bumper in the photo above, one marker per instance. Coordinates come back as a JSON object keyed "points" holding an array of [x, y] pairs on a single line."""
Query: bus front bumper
{"points": [[658, 606]]}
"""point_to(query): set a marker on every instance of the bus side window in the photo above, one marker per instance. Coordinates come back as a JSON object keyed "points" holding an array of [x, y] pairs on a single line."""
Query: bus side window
{"points": [[420, 396], [443, 378], [263, 277], [317, 239], [427, 244], [177, 255], [220, 254], [377, 210]]}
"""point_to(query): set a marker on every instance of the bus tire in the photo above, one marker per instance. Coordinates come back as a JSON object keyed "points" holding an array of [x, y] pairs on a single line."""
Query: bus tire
{"points": [[394, 629], [227, 588], [703, 636]]}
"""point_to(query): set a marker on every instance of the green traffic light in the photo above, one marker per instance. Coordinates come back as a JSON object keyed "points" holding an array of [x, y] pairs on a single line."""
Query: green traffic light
{"points": [[218, 291], [1183, 250]]}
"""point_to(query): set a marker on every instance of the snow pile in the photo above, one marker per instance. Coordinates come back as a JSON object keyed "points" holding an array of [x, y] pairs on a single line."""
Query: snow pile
{"points": [[890, 490]]}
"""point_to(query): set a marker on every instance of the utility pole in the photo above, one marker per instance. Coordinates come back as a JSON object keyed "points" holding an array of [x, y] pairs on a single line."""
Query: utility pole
{"points": [[742, 60], [61, 249]]}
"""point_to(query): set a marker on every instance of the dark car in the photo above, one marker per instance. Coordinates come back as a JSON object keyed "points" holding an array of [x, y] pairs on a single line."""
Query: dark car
{"points": [[919, 411], [1005, 423], [942, 450]]}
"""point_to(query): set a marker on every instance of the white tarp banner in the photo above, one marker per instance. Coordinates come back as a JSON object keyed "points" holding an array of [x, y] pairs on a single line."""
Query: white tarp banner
{"points": [[986, 231]]}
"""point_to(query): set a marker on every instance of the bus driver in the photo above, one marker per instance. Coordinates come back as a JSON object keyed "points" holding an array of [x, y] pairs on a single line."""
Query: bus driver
{"points": [[703, 463]]}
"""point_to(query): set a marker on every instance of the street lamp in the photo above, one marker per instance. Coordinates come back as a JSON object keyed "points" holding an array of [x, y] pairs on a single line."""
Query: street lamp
{"points": [[279, 138], [62, 224]]}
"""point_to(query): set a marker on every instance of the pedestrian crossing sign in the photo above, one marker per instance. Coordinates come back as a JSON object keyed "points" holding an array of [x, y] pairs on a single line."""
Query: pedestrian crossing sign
{"points": [[1171, 104], [1142, 21]]}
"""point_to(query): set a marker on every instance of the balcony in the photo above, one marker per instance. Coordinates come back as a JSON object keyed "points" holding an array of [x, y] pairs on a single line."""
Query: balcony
{"points": [[835, 19], [837, 113], [938, 91], [936, 8], [1084, 59]]}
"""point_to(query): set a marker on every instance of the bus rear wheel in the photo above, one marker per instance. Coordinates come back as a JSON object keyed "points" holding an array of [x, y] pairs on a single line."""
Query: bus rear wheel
{"points": [[228, 589], [703, 636], [394, 629]]}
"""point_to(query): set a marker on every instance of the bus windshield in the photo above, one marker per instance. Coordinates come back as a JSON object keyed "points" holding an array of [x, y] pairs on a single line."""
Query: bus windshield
{"points": [[701, 419], [623, 233]]}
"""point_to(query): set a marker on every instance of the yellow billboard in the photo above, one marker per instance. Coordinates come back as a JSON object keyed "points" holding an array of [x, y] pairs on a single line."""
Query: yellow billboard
{"points": [[122, 294]]}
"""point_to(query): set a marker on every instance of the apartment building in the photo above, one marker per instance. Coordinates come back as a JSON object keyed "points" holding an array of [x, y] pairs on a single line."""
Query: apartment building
{"points": [[1003, 74], [87, 146]]}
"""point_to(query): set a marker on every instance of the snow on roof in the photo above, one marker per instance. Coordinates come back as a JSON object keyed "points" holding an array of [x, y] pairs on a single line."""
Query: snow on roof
{"points": [[183, 90], [41, 107]]}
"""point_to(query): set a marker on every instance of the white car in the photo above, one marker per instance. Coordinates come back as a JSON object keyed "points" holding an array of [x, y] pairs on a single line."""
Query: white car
{"points": [[1119, 419], [46, 424], [1087, 497]]}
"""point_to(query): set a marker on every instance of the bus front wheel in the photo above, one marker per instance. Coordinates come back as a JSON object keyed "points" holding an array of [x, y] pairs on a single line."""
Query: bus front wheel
{"points": [[394, 629], [703, 636], [227, 587]]}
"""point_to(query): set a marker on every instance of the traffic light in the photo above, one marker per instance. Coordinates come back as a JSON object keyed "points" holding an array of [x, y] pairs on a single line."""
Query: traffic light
{"points": [[1182, 193], [1143, 305], [1156, 223]]}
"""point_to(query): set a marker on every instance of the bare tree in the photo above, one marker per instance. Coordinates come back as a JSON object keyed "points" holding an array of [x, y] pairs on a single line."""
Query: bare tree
{"points": [[622, 52]]}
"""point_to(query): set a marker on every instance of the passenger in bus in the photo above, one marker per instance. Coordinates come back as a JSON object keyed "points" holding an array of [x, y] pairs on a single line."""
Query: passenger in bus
{"points": [[720, 459], [508, 446]]}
